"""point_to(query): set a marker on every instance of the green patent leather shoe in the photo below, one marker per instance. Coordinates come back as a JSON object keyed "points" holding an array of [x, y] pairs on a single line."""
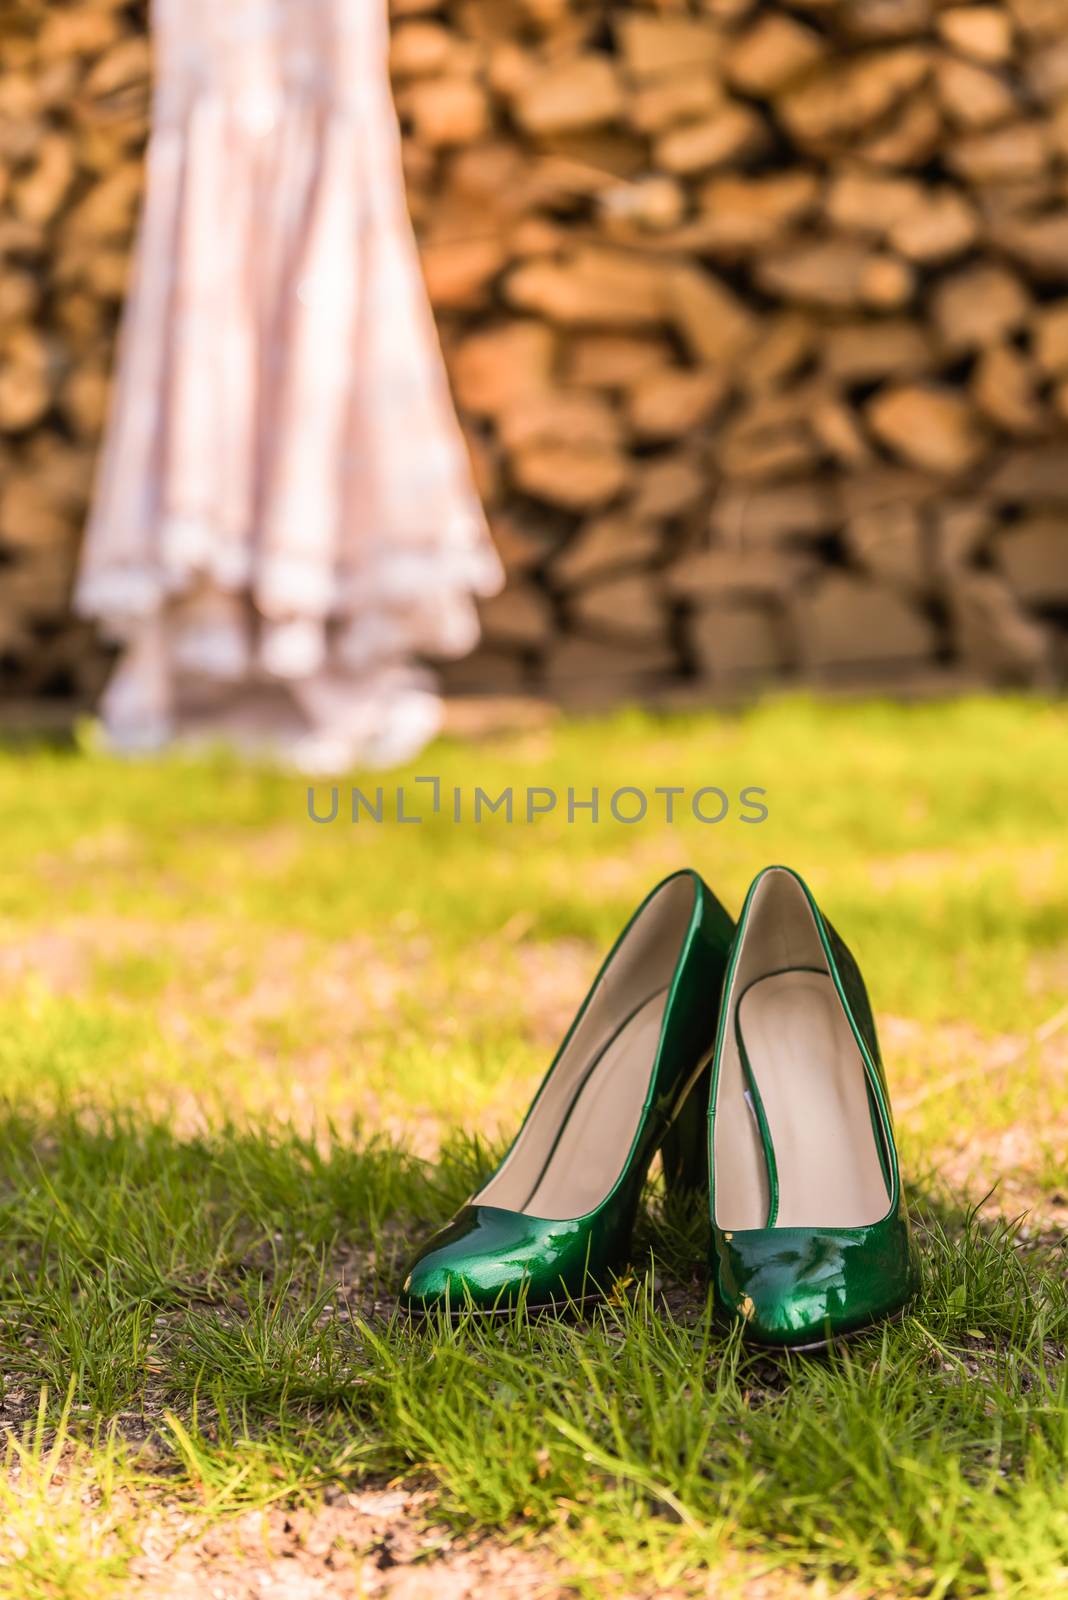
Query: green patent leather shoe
{"points": [[553, 1224], [810, 1234]]}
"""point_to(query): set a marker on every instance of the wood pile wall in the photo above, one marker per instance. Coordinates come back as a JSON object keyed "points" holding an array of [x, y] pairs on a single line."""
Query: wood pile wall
{"points": [[756, 315]]}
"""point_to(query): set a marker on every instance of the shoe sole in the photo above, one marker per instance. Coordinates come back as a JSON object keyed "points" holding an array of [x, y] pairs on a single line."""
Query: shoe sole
{"points": [[822, 1346], [542, 1308]]}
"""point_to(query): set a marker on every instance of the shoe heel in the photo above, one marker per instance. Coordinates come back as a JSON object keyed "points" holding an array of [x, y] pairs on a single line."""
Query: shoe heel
{"points": [[684, 1152]]}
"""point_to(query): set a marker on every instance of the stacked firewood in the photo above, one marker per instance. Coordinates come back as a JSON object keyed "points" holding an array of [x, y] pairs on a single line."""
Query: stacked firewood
{"points": [[759, 318], [756, 315], [74, 96]]}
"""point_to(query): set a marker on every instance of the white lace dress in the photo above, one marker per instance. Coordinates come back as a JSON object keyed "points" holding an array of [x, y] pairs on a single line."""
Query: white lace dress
{"points": [[285, 518]]}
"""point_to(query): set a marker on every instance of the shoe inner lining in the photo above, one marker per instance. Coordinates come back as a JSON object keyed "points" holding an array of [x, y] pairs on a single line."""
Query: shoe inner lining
{"points": [[808, 1073], [807, 1070], [576, 1140], [601, 1122]]}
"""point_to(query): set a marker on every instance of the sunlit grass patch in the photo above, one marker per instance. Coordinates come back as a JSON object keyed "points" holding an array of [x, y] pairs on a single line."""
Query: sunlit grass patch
{"points": [[247, 1061], [65, 1512]]}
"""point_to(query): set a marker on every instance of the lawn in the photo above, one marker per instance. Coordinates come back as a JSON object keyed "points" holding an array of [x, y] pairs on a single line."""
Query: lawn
{"points": [[247, 1060]]}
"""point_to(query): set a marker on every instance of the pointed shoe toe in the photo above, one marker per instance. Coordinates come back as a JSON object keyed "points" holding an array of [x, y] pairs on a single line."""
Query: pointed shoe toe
{"points": [[488, 1260], [802, 1288]]}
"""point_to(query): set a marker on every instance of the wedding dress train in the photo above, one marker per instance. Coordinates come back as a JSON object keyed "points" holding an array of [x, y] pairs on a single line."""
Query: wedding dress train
{"points": [[285, 520]]}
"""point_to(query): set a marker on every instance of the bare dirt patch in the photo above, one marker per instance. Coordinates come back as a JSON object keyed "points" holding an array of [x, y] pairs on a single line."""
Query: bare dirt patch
{"points": [[379, 1542]]}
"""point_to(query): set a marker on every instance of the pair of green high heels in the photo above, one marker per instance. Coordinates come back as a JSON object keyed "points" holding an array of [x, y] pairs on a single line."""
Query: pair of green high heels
{"points": [[748, 1056]]}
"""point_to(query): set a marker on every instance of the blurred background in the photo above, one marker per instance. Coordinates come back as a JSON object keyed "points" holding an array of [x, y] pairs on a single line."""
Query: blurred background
{"points": [[756, 318]]}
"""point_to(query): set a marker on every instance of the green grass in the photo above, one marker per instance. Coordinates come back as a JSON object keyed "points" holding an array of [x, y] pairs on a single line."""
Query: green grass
{"points": [[246, 1061]]}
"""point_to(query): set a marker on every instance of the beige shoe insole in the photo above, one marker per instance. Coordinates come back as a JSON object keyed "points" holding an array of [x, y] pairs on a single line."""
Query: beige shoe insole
{"points": [[599, 1130], [811, 1081]]}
